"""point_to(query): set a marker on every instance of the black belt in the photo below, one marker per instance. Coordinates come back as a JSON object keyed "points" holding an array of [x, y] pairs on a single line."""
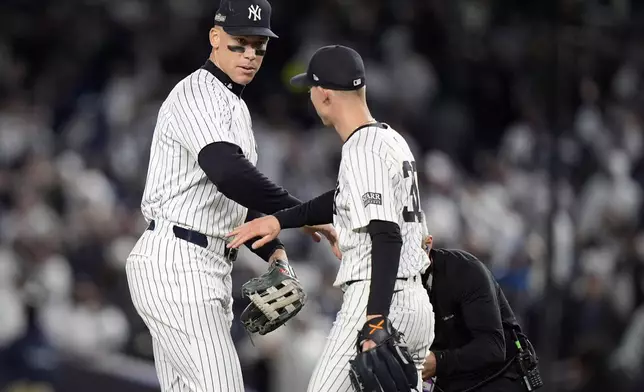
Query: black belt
{"points": [[196, 238], [413, 279]]}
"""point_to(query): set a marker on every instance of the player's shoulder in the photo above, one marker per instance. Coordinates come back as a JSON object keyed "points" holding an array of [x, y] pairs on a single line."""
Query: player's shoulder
{"points": [[196, 86], [368, 137], [460, 262], [461, 256], [378, 139], [197, 91]]}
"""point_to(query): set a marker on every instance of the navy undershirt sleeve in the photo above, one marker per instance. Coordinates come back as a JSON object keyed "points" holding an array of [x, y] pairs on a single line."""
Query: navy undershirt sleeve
{"points": [[386, 244], [237, 179], [316, 211]]}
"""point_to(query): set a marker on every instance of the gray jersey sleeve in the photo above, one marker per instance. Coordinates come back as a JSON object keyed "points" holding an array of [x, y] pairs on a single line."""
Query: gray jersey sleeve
{"points": [[372, 184], [202, 116]]}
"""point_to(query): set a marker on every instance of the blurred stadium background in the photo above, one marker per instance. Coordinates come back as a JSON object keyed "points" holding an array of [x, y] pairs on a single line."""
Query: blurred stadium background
{"points": [[526, 116]]}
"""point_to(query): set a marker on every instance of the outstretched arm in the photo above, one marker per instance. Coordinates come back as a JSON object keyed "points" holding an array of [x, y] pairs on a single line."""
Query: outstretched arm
{"points": [[315, 212], [236, 178], [207, 135], [240, 181], [318, 211]]}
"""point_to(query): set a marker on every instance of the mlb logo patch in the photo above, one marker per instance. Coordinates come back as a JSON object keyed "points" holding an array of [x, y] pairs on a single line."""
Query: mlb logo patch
{"points": [[372, 198]]}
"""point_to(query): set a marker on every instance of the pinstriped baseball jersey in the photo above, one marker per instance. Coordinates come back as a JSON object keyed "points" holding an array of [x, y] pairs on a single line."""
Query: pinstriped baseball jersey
{"points": [[377, 181], [199, 111]]}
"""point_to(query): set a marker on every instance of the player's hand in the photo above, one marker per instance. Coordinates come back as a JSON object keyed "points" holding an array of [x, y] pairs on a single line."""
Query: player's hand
{"points": [[310, 230], [427, 243], [267, 227], [278, 254], [368, 345], [331, 235], [429, 368]]}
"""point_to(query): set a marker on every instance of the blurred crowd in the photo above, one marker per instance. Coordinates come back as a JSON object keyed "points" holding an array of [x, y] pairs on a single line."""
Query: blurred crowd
{"points": [[498, 107]]}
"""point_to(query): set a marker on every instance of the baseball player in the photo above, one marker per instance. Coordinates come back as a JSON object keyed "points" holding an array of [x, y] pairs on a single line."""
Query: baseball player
{"points": [[376, 210], [201, 183]]}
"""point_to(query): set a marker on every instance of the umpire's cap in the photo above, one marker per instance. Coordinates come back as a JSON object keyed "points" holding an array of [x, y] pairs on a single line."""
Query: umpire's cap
{"points": [[334, 67], [245, 17]]}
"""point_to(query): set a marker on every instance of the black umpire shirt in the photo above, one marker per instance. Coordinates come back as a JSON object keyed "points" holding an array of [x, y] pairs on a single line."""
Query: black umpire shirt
{"points": [[473, 336]]}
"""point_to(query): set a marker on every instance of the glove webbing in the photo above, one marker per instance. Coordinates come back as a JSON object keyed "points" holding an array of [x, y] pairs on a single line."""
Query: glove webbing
{"points": [[269, 309]]}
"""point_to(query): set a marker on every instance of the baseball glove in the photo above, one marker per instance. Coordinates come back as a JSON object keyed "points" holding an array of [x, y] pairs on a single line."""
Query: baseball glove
{"points": [[388, 367], [275, 296]]}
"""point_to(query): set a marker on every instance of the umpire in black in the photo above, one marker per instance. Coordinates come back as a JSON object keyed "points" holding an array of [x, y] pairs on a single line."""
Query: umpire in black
{"points": [[474, 347]]}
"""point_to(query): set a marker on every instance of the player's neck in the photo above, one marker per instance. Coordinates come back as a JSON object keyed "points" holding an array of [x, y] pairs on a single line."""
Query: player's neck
{"points": [[353, 117]]}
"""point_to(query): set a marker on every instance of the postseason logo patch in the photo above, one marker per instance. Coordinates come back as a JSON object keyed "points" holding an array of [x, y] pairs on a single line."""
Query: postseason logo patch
{"points": [[372, 198]]}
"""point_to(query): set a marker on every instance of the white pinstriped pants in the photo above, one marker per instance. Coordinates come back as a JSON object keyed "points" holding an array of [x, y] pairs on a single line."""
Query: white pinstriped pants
{"points": [[411, 313], [183, 294]]}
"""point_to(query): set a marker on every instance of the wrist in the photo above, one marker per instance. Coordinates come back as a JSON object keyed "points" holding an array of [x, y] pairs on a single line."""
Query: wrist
{"points": [[283, 218], [278, 254], [276, 219], [283, 266], [373, 316], [377, 329]]}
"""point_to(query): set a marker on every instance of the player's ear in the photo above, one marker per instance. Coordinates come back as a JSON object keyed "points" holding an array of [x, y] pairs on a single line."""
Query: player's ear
{"points": [[215, 37], [326, 95]]}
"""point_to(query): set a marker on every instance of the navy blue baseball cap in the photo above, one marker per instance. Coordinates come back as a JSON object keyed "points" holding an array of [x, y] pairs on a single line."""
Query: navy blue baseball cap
{"points": [[245, 17], [334, 67]]}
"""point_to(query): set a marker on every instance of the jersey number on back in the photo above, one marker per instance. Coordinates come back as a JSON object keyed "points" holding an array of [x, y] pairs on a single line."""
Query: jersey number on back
{"points": [[412, 213]]}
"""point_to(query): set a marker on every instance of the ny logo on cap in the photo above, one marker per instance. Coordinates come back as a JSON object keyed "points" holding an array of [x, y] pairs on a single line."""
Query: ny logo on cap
{"points": [[255, 12]]}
